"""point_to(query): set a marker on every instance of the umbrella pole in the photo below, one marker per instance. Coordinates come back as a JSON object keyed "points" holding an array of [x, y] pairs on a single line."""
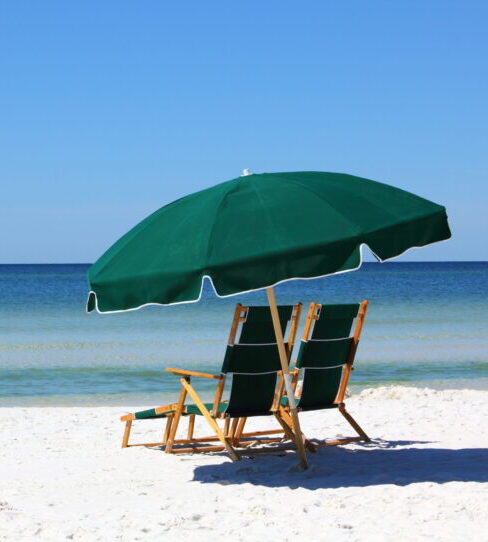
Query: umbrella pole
{"points": [[286, 377]]}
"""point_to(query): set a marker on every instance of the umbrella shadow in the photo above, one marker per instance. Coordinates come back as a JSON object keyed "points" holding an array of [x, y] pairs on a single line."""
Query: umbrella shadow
{"points": [[376, 463]]}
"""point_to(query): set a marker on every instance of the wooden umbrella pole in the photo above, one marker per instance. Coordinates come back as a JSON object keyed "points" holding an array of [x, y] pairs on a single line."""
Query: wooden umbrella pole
{"points": [[286, 376]]}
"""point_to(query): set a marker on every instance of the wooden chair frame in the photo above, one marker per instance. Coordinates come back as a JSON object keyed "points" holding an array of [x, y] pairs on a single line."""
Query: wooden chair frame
{"points": [[232, 434], [312, 316]]}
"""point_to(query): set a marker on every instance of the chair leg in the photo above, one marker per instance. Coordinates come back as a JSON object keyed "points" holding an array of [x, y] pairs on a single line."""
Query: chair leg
{"points": [[213, 424], [125, 438], [239, 430], [191, 426], [176, 419], [226, 427], [233, 429], [353, 423], [286, 417], [167, 429]]}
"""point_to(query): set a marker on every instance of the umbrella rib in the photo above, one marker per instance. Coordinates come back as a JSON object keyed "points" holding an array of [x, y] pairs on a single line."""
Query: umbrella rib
{"points": [[233, 189]]}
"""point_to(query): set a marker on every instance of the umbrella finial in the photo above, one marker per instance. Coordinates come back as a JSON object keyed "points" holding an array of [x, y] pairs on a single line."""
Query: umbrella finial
{"points": [[246, 172]]}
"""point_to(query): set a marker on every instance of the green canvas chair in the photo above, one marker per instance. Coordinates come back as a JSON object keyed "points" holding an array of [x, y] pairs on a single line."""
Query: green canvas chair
{"points": [[253, 362], [325, 360]]}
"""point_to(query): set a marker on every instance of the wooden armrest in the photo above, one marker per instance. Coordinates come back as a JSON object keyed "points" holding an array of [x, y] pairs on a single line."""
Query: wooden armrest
{"points": [[183, 372]]}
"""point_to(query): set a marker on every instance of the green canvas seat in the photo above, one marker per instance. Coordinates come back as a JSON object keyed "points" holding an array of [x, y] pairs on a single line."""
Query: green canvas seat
{"points": [[251, 363], [152, 414]]}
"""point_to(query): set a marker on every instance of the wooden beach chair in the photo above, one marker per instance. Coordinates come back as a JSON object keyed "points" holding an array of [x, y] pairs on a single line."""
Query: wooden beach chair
{"points": [[253, 363], [325, 360]]}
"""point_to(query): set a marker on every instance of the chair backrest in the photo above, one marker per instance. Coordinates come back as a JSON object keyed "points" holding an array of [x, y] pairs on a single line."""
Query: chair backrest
{"points": [[254, 360], [327, 353]]}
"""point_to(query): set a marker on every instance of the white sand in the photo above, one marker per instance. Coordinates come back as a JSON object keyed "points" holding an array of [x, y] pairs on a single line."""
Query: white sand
{"points": [[424, 476]]}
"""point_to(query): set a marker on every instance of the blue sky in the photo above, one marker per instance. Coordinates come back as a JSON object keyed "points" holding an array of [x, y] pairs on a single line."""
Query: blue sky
{"points": [[111, 109]]}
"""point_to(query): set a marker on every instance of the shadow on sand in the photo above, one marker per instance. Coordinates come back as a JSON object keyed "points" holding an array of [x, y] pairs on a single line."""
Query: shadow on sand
{"points": [[374, 463]]}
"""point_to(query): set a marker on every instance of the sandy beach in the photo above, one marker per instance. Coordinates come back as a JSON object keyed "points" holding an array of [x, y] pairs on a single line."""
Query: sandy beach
{"points": [[424, 476]]}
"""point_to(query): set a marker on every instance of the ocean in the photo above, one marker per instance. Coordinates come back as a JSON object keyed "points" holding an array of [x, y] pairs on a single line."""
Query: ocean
{"points": [[427, 325]]}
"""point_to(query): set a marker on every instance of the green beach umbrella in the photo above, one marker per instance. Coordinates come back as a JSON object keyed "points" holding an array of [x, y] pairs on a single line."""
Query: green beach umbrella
{"points": [[255, 231]]}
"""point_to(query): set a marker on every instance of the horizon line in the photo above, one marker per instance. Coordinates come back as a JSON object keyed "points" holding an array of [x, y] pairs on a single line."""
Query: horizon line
{"points": [[364, 262]]}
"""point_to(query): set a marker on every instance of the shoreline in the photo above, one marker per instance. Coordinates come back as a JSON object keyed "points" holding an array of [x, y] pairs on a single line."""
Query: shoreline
{"points": [[136, 400]]}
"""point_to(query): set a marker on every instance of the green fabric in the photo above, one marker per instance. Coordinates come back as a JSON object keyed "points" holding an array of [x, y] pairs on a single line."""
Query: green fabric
{"points": [[189, 409], [256, 358], [193, 409], [251, 395], [335, 321], [320, 385], [323, 354], [258, 327], [340, 311], [150, 413], [284, 402], [319, 388], [254, 231]]}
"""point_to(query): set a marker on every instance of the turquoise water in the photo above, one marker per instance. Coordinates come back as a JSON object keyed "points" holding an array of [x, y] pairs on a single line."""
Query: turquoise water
{"points": [[427, 326]]}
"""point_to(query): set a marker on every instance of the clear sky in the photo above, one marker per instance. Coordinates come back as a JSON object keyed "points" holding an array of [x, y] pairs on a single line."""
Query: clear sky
{"points": [[109, 110]]}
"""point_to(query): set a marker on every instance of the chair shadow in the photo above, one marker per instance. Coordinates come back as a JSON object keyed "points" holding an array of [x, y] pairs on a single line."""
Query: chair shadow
{"points": [[375, 463]]}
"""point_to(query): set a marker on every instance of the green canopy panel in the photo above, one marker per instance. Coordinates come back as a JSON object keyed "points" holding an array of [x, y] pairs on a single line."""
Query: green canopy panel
{"points": [[256, 231]]}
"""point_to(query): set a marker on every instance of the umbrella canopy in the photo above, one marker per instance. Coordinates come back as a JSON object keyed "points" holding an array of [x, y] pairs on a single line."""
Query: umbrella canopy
{"points": [[255, 231], [258, 230]]}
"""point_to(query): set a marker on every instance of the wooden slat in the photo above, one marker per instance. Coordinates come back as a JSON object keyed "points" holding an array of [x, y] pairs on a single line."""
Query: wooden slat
{"points": [[312, 314], [276, 449], [259, 433], [354, 424], [218, 396], [338, 441], [226, 427], [125, 438], [191, 426], [233, 428], [147, 444], [235, 322], [183, 372], [166, 408], [295, 318], [177, 416], [167, 429], [240, 429]]}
